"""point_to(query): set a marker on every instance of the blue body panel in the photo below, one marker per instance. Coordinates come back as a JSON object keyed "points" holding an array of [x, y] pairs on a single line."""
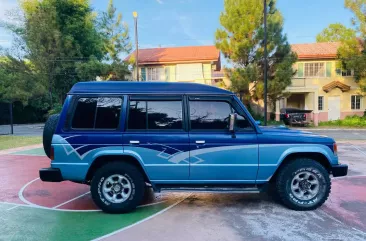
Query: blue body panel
{"points": [[174, 156]]}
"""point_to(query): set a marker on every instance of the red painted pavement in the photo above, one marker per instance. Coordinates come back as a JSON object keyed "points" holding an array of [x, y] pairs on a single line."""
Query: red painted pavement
{"points": [[347, 201], [15, 172]]}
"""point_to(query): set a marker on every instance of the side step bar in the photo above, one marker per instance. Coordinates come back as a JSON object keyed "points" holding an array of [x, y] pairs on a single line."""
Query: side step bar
{"points": [[201, 189]]}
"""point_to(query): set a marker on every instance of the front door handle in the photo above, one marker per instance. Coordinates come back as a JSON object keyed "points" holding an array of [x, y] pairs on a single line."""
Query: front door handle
{"points": [[134, 142], [200, 142]]}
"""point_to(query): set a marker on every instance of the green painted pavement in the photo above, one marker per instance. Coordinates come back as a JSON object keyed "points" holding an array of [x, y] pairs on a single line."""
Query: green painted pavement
{"points": [[26, 223], [31, 152]]}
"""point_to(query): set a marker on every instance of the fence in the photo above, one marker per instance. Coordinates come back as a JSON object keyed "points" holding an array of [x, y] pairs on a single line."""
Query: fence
{"points": [[5, 120]]}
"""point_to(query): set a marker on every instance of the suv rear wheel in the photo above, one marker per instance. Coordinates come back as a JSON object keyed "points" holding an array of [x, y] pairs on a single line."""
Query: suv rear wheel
{"points": [[303, 184], [117, 187]]}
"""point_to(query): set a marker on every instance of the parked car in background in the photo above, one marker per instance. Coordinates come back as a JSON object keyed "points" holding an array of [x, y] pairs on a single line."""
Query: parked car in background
{"points": [[294, 116]]}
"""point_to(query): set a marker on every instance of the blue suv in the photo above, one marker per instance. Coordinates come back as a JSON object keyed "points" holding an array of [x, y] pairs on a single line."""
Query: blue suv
{"points": [[121, 137]]}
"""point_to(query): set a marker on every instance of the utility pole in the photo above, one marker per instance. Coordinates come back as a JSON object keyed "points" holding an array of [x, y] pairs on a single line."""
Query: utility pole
{"points": [[265, 60], [11, 117], [137, 47]]}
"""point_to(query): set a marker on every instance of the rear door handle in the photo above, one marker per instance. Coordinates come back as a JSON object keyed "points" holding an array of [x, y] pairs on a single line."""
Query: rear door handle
{"points": [[134, 142], [200, 142]]}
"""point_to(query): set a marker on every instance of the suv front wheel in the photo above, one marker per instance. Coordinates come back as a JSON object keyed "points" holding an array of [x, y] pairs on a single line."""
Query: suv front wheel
{"points": [[117, 187], [303, 184]]}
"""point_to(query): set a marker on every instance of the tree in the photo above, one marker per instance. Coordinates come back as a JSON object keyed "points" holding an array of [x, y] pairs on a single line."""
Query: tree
{"points": [[352, 52], [241, 41], [115, 34], [336, 32]]}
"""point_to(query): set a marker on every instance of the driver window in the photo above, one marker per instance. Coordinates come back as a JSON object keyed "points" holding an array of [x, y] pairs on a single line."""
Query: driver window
{"points": [[209, 115]]}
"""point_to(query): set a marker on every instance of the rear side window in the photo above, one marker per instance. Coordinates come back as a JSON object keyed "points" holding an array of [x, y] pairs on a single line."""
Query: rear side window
{"points": [[155, 115], [97, 113]]}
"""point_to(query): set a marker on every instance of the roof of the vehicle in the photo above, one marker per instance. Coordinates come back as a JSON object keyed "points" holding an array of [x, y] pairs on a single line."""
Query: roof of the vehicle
{"points": [[134, 87]]}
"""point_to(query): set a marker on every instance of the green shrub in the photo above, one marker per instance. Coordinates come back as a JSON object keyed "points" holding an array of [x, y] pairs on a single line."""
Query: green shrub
{"points": [[57, 108], [349, 121]]}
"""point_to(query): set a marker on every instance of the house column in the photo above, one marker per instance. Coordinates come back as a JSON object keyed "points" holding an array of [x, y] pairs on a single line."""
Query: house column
{"points": [[278, 110], [316, 111]]}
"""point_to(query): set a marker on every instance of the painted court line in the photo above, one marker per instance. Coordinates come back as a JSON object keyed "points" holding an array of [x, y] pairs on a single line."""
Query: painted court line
{"points": [[56, 208], [12, 208], [61, 204], [358, 149], [143, 220], [341, 223]]}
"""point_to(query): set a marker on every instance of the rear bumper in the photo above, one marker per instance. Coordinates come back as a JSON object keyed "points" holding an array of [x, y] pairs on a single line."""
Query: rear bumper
{"points": [[50, 175], [339, 170]]}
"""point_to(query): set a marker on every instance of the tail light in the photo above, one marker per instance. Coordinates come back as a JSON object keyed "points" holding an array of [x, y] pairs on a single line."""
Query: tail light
{"points": [[52, 153], [287, 115], [304, 116], [335, 148]]}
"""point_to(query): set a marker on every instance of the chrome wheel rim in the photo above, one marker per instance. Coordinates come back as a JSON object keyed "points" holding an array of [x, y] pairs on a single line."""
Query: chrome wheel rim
{"points": [[305, 185], [116, 188]]}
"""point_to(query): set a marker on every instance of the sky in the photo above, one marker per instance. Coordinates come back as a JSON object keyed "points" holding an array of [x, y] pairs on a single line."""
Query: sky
{"points": [[168, 23]]}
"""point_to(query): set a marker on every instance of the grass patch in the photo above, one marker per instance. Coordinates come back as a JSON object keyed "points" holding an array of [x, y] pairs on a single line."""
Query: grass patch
{"points": [[349, 121], [7, 142]]}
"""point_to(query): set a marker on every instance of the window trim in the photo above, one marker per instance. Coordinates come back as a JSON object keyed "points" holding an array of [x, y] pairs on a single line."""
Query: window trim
{"points": [[324, 67], [155, 98], [232, 103], [341, 72], [322, 102], [361, 106], [74, 102], [154, 80]]}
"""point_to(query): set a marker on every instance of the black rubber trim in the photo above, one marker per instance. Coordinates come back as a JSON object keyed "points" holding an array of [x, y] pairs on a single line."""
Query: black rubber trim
{"points": [[339, 170], [50, 175]]}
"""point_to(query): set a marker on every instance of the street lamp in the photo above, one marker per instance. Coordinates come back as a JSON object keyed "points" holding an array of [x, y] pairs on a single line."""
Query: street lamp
{"points": [[137, 46]]}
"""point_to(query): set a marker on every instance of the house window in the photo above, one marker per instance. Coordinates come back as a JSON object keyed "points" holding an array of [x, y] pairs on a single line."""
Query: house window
{"points": [[344, 72], [356, 102], [320, 102], [155, 74], [314, 70]]}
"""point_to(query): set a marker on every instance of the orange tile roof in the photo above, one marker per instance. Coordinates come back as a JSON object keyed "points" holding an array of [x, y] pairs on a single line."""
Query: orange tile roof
{"points": [[326, 50], [177, 54]]}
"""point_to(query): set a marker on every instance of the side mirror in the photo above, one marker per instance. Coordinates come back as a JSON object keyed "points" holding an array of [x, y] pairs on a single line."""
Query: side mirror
{"points": [[258, 122], [232, 122]]}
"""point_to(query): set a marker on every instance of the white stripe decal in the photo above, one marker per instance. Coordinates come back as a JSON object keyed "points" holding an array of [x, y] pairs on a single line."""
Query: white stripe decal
{"points": [[75, 164]]}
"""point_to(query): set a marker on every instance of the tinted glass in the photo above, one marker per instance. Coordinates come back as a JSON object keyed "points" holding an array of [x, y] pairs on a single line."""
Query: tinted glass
{"points": [[164, 115], [84, 113], [209, 114], [242, 123], [108, 113], [137, 115]]}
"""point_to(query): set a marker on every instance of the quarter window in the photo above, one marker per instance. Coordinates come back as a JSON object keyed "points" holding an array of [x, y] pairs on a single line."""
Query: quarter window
{"points": [[356, 102], [97, 113], [320, 102], [314, 70], [155, 115]]}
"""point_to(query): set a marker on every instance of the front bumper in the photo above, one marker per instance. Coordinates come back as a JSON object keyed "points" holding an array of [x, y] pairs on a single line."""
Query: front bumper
{"points": [[339, 170], [50, 175]]}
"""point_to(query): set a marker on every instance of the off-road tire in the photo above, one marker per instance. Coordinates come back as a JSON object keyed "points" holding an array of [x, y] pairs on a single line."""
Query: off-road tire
{"points": [[289, 171], [48, 131], [129, 171]]}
